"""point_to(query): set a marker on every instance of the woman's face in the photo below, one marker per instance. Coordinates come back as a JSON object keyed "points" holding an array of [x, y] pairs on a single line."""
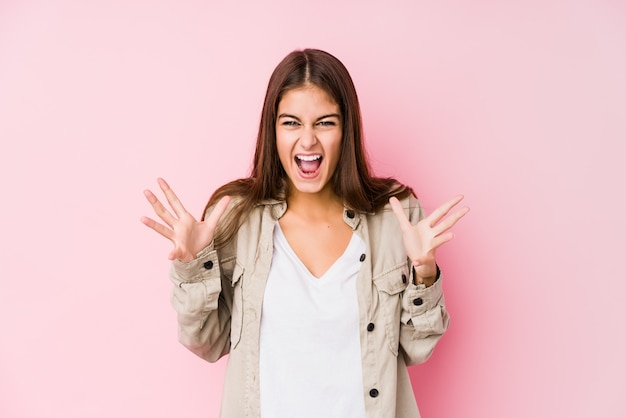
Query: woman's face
{"points": [[308, 138]]}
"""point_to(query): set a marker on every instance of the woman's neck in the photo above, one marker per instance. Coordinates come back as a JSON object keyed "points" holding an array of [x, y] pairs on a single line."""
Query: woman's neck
{"points": [[314, 206]]}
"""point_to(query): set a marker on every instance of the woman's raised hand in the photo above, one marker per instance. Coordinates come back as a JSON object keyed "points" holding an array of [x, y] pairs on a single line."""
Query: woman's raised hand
{"points": [[188, 235], [422, 239]]}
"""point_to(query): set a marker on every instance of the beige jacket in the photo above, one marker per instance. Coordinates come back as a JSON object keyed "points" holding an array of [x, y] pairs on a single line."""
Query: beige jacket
{"points": [[218, 298]]}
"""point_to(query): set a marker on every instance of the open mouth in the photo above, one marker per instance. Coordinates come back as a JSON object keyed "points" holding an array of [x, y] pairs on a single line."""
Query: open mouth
{"points": [[308, 164]]}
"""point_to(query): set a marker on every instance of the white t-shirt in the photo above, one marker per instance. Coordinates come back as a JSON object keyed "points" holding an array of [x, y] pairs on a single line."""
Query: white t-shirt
{"points": [[310, 354]]}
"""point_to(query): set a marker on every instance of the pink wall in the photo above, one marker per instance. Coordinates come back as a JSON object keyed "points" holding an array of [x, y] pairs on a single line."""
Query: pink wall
{"points": [[520, 105]]}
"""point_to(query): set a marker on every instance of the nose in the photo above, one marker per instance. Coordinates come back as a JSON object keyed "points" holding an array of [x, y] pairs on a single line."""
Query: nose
{"points": [[308, 138]]}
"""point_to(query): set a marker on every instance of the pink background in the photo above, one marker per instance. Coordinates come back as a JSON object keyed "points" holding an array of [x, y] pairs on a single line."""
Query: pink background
{"points": [[520, 105]]}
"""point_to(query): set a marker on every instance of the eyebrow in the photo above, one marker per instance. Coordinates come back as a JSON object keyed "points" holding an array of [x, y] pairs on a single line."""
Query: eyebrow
{"points": [[330, 115]]}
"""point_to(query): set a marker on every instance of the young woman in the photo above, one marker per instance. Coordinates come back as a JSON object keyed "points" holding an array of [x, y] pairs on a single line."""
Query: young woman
{"points": [[318, 279]]}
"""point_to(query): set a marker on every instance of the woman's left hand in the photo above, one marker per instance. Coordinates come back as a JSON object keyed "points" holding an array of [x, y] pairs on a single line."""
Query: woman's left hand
{"points": [[422, 239]]}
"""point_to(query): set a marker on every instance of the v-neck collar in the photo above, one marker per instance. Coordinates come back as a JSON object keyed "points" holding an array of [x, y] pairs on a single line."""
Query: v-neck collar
{"points": [[350, 250]]}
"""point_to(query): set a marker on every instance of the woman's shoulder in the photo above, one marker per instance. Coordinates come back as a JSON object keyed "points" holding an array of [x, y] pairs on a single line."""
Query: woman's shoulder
{"points": [[408, 202], [407, 198]]}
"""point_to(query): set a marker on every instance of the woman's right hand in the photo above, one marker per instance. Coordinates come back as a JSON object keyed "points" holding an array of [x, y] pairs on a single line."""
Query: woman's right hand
{"points": [[188, 235]]}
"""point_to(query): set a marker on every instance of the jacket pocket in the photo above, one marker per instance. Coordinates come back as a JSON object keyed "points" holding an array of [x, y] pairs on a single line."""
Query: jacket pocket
{"points": [[390, 286], [236, 314]]}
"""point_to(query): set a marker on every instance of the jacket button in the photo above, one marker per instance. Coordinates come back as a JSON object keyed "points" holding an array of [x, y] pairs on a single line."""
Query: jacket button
{"points": [[208, 265], [403, 278], [370, 327], [362, 258], [350, 214], [418, 301], [374, 393]]}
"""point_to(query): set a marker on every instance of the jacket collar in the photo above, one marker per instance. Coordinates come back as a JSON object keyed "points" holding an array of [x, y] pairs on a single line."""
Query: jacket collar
{"points": [[279, 207]]}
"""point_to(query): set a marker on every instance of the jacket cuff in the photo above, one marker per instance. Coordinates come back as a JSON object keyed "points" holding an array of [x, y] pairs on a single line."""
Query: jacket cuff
{"points": [[422, 308], [419, 298], [205, 266]]}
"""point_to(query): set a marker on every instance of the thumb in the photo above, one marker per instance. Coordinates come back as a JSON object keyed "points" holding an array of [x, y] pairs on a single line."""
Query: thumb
{"points": [[217, 212], [397, 208]]}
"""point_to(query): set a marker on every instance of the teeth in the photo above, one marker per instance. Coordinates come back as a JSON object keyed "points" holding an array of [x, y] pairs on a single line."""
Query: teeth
{"points": [[308, 157]]}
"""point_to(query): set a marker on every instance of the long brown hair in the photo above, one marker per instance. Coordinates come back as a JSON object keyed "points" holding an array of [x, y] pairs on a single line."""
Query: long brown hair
{"points": [[351, 182]]}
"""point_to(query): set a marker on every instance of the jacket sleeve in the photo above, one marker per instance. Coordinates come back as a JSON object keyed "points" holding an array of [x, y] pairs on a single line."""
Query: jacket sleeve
{"points": [[424, 318], [202, 297]]}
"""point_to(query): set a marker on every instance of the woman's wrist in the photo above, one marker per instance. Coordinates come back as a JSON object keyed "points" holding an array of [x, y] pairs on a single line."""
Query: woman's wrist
{"points": [[428, 280]]}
